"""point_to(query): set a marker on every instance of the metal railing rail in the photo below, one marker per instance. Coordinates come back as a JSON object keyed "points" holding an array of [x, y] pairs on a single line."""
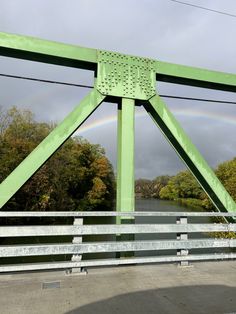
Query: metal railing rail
{"points": [[182, 244], [113, 214]]}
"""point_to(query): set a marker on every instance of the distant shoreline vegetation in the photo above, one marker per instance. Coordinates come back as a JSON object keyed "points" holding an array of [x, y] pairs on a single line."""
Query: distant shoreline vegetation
{"points": [[184, 189]]}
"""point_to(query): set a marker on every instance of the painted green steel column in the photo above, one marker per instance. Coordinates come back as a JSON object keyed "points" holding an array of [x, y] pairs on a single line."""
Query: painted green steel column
{"points": [[125, 156], [125, 167], [125, 159]]}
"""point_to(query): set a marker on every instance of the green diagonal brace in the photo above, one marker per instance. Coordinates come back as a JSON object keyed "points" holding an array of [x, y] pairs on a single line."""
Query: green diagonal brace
{"points": [[189, 154], [49, 145]]}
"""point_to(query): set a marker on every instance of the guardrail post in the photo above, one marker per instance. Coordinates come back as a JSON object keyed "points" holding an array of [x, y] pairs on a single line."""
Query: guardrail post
{"points": [[77, 240], [182, 236]]}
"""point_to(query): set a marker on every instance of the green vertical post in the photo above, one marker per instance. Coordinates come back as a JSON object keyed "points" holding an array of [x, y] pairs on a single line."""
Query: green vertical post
{"points": [[125, 156], [125, 164]]}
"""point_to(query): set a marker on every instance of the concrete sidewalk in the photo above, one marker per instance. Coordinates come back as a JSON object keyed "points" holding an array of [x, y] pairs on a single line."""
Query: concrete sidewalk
{"points": [[208, 287]]}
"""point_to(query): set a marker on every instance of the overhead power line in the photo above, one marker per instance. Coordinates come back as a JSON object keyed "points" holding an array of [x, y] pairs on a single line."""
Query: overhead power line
{"points": [[43, 81], [200, 99], [89, 86], [203, 8]]}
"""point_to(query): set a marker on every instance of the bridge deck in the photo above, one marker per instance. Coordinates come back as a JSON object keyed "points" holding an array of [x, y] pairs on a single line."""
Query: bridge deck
{"points": [[205, 288]]}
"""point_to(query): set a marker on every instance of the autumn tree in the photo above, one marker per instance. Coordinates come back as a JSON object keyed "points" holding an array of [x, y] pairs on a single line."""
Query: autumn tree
{"points": [[146, 188], [77, 177]]}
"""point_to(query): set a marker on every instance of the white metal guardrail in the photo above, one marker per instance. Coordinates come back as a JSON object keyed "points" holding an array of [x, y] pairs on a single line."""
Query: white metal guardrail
{"points": [[182, 244]]}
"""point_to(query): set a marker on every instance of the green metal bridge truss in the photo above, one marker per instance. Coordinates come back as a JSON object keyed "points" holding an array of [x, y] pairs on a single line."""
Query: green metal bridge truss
{"points": [[128, 81]]}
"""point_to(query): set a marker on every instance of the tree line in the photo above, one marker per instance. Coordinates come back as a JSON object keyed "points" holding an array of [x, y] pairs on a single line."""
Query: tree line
{"points": [[184, 188]]}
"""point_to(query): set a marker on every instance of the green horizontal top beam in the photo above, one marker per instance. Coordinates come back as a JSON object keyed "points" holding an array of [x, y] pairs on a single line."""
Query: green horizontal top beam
{"points": [[29, 48], [34, 49], [186, 75]]}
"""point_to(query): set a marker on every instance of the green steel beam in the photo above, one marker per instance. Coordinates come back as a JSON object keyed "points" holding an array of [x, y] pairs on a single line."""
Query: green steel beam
{"points": [[48, 146], [118, 156], [125, 168], [186, 75], [189, 154], [30, 48], [125, 157], [34, 49]]}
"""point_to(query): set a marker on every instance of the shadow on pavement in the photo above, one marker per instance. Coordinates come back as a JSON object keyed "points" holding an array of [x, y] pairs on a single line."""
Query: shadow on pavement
{"points": [[210, 299]]}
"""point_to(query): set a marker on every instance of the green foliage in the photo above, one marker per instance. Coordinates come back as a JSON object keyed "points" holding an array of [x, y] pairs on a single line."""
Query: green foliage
{"points": [[77, 177], [183, 185], [226, 172]]}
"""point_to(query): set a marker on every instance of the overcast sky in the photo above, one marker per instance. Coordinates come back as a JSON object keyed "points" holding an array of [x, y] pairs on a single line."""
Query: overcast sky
{"points": [[159, 29]]}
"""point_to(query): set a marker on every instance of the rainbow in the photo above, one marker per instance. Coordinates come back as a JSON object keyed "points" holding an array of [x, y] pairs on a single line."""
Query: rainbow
{"points": [[108, 120], [191, 113]]}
